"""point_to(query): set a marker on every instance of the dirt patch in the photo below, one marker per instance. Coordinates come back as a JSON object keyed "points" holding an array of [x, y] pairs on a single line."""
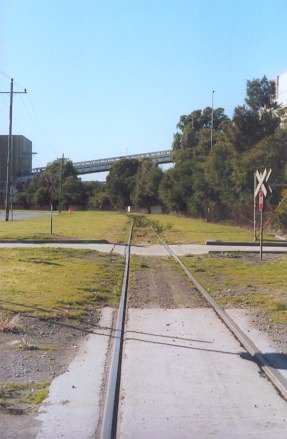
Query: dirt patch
{"points": [[159, 282], [276, 332], [248, 296], [33, 355]]}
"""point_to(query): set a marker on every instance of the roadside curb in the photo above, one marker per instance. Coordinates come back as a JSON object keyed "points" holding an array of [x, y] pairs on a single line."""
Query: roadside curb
{"points": [[56, 241], [246, 243]]}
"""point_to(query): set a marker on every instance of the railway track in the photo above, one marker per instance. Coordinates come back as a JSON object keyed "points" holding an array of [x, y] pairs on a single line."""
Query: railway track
{"points": [[111, 409]]}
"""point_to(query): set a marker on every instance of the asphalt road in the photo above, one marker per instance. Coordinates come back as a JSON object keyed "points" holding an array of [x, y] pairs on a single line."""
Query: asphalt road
{"points": [[22, 215]]}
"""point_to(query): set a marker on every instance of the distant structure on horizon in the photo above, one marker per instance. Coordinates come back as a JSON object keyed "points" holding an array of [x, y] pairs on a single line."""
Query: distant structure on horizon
{"points": [[281, 89], [21, 157]]}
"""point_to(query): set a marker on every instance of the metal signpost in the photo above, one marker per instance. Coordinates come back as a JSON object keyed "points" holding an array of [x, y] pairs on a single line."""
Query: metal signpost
{"points": [[261, 207], [51, 193], [261, 190]]}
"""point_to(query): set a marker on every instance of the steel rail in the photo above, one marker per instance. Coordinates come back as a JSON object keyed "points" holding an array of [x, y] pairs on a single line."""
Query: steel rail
{"points": [[274, 376], [109, 423]]}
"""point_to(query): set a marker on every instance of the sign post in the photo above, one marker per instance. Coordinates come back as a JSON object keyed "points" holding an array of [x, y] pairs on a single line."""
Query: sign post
{"points": [[51, 192], [261, 190], [261, 207]]}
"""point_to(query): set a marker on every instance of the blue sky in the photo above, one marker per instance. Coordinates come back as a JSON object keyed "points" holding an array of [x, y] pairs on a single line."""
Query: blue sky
{"points": [[106, 78]]}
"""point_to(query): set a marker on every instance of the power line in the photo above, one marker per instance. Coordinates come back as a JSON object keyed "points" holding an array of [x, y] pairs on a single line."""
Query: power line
{"points": [[5, 74], [37, 118]]}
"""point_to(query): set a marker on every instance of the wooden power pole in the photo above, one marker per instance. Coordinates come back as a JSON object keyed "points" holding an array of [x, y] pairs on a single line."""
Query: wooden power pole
{"points": [[10, 149]]}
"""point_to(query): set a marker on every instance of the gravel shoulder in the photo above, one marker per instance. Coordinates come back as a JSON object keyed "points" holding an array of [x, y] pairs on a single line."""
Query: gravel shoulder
{"points": [[31, 356], [159, 282]]}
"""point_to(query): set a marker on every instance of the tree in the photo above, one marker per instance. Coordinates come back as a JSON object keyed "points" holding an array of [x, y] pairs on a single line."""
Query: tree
{"points": [[121, 182], [101, 201], [260, 118], [45, 187], [193, 138], [219, 173], [260, 94], [175, 188], [148, 178], [74, 193], [279, 218]]}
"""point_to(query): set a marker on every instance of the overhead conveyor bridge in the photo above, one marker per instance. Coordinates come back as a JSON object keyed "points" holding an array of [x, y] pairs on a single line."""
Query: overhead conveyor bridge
{"points": [[104, 165]]}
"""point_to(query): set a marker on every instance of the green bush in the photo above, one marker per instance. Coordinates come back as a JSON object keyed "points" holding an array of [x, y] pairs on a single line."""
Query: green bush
{"points": [[279, 218]]}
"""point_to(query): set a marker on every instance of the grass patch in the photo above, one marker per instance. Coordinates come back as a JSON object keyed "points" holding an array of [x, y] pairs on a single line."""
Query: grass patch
{"points": [[188, 230], [244, 281], [62, 284], [28, 396], [108, 226]]}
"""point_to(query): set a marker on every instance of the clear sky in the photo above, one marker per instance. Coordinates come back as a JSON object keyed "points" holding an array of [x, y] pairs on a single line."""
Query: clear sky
{"points": [[110, 77]]}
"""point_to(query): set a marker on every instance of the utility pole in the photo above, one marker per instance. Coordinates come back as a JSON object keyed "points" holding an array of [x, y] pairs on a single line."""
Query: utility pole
{"points": [[10, 148], [211, 129], [61, 184]]}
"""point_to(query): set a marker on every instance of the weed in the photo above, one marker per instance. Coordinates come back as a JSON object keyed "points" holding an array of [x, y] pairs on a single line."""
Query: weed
{"points": [[231, 254], [14, 395], [140, 221], [13, 325], [36, 395], [158, 227], [25, 345]]}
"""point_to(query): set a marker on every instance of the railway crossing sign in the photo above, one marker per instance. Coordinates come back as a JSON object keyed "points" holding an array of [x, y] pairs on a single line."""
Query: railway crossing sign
{"points": [[262, 177]]}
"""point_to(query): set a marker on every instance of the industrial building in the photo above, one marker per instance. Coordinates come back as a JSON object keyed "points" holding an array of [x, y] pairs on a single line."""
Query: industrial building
{"points": [[281, 89], [21, 157]]}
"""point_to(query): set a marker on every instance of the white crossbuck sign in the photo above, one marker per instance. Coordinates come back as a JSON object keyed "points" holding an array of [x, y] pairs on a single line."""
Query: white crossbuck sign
{"points": [[262, 177]]}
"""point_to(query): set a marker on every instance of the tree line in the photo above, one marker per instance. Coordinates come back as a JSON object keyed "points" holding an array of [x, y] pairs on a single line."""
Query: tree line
{"points": [[211, 180], [214, 179]]}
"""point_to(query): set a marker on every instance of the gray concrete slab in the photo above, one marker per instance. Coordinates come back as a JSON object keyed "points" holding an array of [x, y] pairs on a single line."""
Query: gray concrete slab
{"points": [[145, 250], [189, 249], [72, 408], [183, 376], [149, 250], [243, 318]]}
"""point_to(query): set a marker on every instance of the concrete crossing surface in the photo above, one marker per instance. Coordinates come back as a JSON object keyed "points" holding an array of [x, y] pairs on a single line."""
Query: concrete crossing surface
{"points": [[184, 375], [147, 249]]}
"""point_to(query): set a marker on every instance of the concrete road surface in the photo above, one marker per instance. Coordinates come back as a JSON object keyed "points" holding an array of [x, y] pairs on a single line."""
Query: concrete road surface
{"points": [[72, 409], [186, 376], [147, 250]]}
